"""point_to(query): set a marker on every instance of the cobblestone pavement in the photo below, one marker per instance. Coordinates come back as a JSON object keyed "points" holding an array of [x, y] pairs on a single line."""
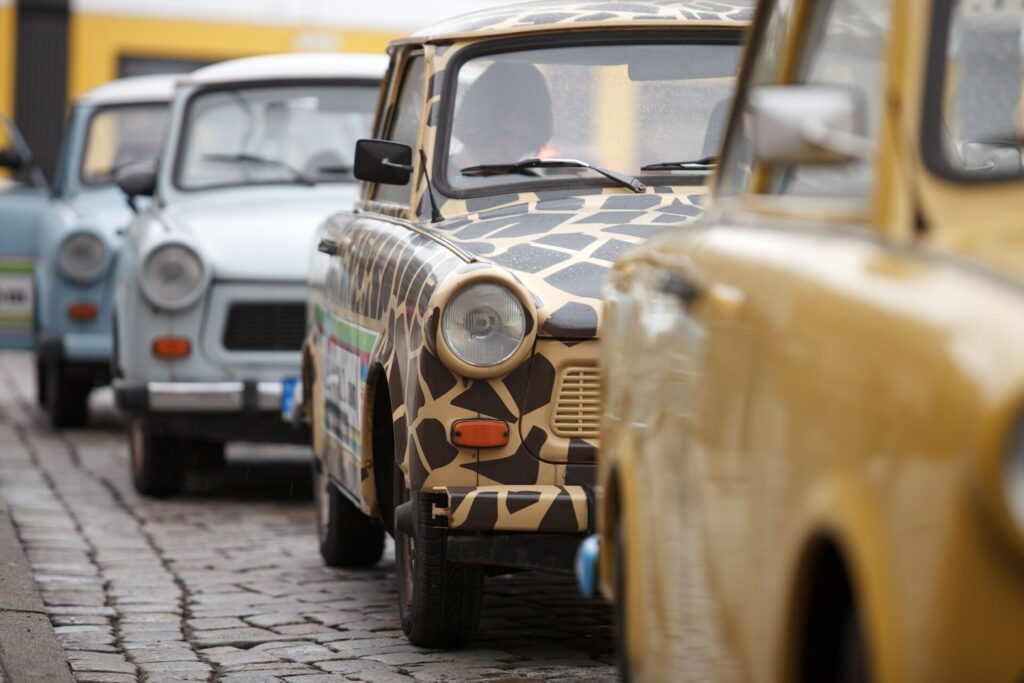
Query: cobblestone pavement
{"points": [[225, 583]]}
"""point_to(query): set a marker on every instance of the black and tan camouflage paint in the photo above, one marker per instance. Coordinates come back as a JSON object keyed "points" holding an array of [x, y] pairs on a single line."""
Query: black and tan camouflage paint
{"points": [[558, 244]]}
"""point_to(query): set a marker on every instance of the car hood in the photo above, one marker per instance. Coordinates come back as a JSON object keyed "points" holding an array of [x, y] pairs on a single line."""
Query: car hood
{"points": [[257, 233], [561, 247]]}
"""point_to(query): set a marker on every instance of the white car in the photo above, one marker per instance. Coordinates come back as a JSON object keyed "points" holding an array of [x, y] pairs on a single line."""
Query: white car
{"points": [[210, 296]]}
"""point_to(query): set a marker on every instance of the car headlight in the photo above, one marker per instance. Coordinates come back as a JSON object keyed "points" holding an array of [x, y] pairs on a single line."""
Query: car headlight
{"points": [[484, 324], [82, 257], [173, 276]]}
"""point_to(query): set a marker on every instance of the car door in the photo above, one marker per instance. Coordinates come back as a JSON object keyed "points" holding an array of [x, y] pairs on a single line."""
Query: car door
{"points": [[352, 337], [782, 281], [24, 197]]}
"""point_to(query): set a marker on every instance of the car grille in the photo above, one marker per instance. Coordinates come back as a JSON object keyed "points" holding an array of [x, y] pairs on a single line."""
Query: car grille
{"points": [[265, 326], [578, 403]]}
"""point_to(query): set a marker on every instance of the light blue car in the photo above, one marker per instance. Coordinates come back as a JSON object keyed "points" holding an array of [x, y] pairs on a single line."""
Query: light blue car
{"points": [[58, 245]]}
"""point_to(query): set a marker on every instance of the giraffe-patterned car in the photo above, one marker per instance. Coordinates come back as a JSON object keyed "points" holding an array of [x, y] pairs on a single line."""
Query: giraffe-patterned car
{"points": [[450, 369]]}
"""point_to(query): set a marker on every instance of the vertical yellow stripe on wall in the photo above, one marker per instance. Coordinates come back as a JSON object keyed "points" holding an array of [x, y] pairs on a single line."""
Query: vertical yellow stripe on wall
{"points": [[99, 41], [8, 35]]}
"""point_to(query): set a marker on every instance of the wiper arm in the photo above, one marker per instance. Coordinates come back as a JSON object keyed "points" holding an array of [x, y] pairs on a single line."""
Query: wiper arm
{"points": [[526, 164], [247, 158], [702, 164]]}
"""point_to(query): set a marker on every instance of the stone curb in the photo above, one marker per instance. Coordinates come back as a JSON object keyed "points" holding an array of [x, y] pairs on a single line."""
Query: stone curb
{"points": [[29, 650]]}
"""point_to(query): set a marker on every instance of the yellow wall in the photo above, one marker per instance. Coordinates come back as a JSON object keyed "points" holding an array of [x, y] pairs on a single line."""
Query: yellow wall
{"points": [[7, 37], [97, 41]]}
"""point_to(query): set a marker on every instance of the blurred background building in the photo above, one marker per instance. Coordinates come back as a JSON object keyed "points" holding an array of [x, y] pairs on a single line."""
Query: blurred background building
{"points": [[51, 51]]}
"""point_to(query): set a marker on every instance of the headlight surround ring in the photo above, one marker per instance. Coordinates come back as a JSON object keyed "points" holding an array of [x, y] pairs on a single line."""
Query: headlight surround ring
{"points": [[173, 275], [83, 256], [479, 299]]}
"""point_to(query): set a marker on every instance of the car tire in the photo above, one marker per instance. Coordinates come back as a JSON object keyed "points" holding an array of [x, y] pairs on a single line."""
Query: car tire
{"points": [[67, 399], [41, 382], [205, 455], [439, 601], [853, 656], [157, 463], [627, 668], [348, 538]]}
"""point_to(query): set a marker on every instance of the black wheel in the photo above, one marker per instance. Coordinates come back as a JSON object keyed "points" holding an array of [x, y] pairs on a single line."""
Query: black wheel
{"points": [[158, 463], [438, 600], [348, 538], [40, 382], [204, 455], [627, 670], [67, 398], [853, 656]]}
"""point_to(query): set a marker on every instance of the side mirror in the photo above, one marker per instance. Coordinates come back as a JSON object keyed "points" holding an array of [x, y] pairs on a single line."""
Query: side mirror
{"points": [[806, 124], [13, 159], [382, 161], [137, 179], [996, 159]]}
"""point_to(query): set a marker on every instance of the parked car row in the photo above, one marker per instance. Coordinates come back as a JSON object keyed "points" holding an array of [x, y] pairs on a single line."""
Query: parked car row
{"points": [[495, 294]]}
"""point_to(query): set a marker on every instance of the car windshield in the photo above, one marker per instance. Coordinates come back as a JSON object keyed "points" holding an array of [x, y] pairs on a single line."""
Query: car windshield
{"points": [[281, 134], [620, 107], [982, 118], [121, 135]]}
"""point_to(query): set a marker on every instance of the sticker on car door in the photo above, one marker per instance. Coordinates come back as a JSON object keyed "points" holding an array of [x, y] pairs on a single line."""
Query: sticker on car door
{"points": [[16, 300]]}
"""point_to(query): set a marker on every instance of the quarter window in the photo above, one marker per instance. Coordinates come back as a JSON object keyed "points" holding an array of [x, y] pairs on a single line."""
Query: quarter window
{"points": [[765, 65], [845, 46], [405, 126]]}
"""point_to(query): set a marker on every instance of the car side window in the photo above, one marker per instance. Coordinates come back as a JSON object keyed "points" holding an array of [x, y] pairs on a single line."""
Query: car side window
{"points": [[844, 46], [405, 126], [763, 67]]}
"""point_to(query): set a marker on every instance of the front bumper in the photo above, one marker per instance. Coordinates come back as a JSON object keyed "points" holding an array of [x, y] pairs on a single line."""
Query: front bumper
{"points": [[198, 397], [223, 411], [544, 509], [525, 527]]}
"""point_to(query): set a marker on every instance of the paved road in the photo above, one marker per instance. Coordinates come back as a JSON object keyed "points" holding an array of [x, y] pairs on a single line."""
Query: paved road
{"points": [[225, 583]]}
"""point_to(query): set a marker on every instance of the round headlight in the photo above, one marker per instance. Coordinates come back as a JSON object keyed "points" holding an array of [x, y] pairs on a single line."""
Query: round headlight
{"points": [[173, 276], [484, 324], [82, 257]]}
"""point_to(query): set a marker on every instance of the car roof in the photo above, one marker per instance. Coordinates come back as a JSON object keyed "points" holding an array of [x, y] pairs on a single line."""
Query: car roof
{"points": [[562, 15], [291, 66], [158, 88]]}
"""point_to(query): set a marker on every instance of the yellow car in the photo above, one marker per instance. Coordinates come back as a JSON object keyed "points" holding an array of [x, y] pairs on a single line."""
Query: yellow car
{"points": [[813, 446]]}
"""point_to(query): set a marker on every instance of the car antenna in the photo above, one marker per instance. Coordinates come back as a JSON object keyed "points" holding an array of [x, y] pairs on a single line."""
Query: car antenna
{"points": [[435, 215]]}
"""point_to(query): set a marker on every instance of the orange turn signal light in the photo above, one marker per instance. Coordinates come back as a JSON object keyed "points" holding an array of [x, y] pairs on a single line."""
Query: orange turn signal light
{"points": [[171, 347], [480, 433], [82, 311]]}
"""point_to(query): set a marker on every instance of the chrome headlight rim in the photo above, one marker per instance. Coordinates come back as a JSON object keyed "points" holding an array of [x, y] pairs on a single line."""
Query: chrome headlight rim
{"points": [[1007, 476], [458, 284], [155, 297], [92, 275]]}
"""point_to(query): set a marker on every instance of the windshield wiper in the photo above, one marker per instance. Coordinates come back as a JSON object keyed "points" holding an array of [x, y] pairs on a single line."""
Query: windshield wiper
{"points": [[525, 165], [702, 164], [247, 158]]}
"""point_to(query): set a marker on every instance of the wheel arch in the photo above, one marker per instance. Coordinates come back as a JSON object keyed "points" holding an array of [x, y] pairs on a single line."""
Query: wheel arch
{"points": [[379, 443], [609, 510]]}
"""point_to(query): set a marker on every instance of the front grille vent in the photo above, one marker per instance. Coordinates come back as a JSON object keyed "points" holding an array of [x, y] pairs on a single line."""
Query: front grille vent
{"points": [[578, 403], [265, 326]]}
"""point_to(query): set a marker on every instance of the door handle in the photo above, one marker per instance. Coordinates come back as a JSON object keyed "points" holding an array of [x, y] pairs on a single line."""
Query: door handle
{"points": [[682, 288], [329, 247], [724, 299]]}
